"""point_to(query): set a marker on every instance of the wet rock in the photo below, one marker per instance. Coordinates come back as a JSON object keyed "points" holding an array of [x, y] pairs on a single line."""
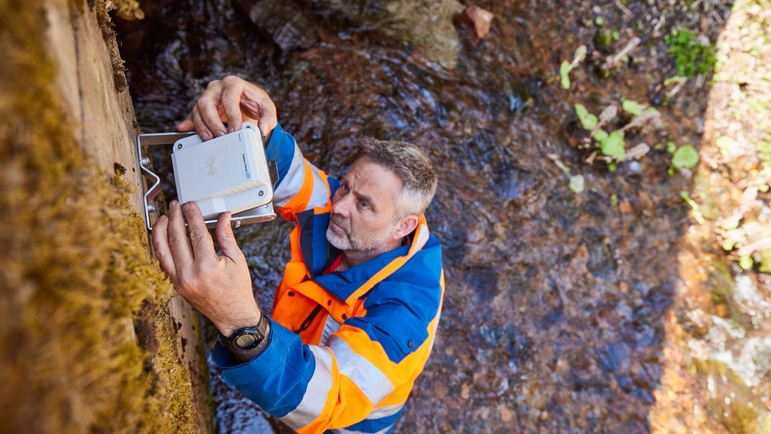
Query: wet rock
{"points": [[479, 19], [731, 401], [423, 23], [505, 413], [283, 20]]}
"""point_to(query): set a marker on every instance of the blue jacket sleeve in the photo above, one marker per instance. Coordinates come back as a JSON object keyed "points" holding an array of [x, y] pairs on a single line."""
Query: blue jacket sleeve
{"points": [[301, 185]]}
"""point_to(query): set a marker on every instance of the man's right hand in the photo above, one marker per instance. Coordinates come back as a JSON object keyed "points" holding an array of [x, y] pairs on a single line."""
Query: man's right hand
{"points": [[234, 101]]}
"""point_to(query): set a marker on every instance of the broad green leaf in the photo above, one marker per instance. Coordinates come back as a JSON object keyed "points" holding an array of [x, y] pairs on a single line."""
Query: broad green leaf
{"points": [[632, 107], [613, 146], [600, 135], [564, 71], [577, 183], [745, 262], [588, 120], [685, 157]]}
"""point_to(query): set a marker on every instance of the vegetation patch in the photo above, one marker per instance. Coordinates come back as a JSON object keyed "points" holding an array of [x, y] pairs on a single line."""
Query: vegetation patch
{"points": [[691, 57], [75, 270]]}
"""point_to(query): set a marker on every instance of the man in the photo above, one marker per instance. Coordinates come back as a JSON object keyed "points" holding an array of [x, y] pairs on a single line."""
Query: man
{"points": [[354, 317]]}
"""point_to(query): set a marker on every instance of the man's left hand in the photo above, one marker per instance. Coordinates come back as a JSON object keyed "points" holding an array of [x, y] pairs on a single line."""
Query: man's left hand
{"points": [[218, 286]]}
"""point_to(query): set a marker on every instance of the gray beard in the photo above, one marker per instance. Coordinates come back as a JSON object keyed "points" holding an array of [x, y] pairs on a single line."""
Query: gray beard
{"points": [[339, 241], [346, 242]]}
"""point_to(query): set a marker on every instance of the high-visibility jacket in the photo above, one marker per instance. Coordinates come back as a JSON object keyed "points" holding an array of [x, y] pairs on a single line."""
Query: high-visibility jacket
{"points": [[344, 347]]}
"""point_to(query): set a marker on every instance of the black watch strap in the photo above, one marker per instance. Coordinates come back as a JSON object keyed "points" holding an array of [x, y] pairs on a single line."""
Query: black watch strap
{"points": [[246, 338]]}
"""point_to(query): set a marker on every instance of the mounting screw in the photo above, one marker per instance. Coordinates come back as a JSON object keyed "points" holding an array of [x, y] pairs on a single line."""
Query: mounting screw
{"points": [[144, 161], [179, 146], [236, 224], [260, 193], [151, 207]]}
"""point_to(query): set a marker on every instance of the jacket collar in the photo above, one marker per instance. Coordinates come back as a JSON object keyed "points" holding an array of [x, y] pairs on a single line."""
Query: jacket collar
{"points": [[354, 282]]}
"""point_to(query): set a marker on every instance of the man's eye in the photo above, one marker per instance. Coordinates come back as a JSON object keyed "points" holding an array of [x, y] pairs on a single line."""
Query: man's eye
{"points": [[363, 205]]}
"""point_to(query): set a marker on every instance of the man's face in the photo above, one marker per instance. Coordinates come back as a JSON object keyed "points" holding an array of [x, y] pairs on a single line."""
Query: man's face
{"points": [[364, 207]]}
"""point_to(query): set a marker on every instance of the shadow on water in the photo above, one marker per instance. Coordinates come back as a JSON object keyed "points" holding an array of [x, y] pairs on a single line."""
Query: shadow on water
{"points": [[553, 318]]}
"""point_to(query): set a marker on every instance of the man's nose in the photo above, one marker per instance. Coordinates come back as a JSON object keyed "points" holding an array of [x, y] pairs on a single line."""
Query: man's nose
{"points": [[342, 206]]}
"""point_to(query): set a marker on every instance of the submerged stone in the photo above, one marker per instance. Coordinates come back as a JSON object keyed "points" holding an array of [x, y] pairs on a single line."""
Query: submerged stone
{"points": [[479, 19], [283, 20], [423, 23]]}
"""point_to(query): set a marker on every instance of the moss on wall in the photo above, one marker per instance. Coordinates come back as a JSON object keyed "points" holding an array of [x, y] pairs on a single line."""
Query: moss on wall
{"points": [[76, 281]]}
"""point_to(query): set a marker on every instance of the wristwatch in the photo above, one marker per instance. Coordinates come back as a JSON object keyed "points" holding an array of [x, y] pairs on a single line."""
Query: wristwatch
{"points": [[246, 338]]}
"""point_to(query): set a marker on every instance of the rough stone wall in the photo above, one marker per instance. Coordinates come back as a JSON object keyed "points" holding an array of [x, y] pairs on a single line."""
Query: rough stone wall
{"points": [[92, 338]]}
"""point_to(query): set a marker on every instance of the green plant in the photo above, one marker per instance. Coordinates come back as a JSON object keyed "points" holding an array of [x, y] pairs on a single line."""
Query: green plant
{"points": [[576, 183], [690, 56], [685, 157], [632, 107], [588, 120], [694, 206], [613, 145], [566, 67]]}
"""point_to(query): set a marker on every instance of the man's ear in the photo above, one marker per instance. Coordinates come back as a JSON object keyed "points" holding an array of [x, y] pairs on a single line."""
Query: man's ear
{"points": [[406, 226]]}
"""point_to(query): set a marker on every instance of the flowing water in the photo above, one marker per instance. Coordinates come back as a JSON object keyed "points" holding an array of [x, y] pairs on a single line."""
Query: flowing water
{"points": [[556, 301]]}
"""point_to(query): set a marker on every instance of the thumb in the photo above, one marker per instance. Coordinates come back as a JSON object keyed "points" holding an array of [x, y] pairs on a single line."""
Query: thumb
{"points": [[267, 123], [226, 239]]}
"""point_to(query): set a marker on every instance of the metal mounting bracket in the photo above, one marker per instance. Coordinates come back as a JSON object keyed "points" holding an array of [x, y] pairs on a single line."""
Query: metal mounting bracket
{"points": [[260, 214]]}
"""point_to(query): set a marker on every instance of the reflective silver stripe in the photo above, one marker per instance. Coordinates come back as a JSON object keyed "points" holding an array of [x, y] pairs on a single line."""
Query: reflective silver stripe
{"points": [[385, 411], [320, 194], [293, 180], [372, 382], [422, 236], [330, 326], [315, 395], [345, 431]]}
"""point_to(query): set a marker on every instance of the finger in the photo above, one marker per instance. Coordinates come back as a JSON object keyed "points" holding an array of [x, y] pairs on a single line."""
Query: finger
{"points": [[258, 101], [187, 124], [203, 246], [232, 91], [200, 126], [226, 239], [207, 108], [178, 241], [161, 247]]}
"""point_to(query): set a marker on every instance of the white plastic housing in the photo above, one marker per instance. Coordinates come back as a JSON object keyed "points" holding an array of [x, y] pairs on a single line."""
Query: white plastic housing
{"points": [[229, 173]]}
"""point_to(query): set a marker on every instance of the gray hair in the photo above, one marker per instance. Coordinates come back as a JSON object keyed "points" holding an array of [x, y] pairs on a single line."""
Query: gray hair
{"points": [[410, 164]]}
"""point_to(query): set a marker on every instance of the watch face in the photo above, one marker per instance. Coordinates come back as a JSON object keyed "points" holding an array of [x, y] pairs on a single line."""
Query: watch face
{"points": [[245, 341]]}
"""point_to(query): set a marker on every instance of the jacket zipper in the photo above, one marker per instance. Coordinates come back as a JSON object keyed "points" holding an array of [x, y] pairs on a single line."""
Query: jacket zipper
{"points": [[307, 323]]}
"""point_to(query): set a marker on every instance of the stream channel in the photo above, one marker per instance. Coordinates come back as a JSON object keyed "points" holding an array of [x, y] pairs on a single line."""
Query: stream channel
{"points": [[557, 302]]}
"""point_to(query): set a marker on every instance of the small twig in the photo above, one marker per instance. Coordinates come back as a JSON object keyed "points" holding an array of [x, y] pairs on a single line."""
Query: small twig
{"points": [[641, 119], [749, 249], [661, 22], [559, 163], [623, 8], [610, 62], [606, 116], [680, 83], [638, 151]]}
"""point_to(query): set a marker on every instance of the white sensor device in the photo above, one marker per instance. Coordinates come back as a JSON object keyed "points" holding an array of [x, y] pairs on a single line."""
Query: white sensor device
{"points": [[228, 173]]}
